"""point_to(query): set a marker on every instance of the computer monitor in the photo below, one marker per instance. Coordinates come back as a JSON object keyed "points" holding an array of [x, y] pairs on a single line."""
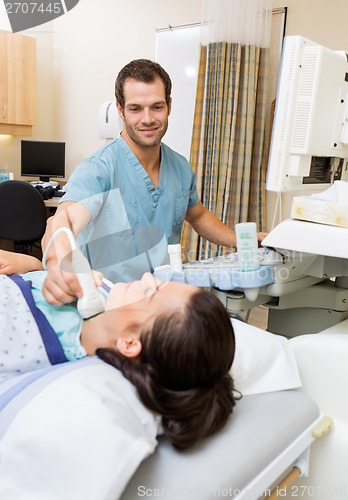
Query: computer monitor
{"points": [[43, 159], [309, 143]]}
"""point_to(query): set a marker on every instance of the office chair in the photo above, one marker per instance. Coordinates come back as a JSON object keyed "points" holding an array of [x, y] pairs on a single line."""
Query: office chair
{"points": [[22, 215]]}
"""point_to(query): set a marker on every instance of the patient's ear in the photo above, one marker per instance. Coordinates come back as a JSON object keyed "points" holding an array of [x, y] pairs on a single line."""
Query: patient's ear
{"points": [[130, 348]]}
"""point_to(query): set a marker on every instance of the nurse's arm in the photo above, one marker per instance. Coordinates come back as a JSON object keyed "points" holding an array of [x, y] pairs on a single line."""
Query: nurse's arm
{"points": [[62, 287], [209, 226]]}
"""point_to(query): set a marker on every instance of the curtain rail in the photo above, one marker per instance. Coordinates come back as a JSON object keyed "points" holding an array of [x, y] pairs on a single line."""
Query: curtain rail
{"points": [[279, 10], [179, 26]]}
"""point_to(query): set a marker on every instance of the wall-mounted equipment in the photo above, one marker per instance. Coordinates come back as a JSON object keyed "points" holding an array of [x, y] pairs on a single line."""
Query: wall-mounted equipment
{"points": [[109, 121]]}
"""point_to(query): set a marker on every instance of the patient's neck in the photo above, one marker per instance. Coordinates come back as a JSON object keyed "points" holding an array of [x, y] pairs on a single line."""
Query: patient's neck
{"points": [[92, 334]]}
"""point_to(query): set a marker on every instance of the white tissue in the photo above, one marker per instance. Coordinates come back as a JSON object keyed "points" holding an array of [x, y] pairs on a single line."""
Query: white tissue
{"points": [[328, 207]]}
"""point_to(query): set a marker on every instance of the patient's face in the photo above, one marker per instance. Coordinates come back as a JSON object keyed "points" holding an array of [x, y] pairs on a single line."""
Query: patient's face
{"points": [[148, 291], [143, 300]]}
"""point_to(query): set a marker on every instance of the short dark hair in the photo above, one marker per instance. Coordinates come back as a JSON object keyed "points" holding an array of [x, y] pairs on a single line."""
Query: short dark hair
{"points": [[141, 70], [183, 371]]}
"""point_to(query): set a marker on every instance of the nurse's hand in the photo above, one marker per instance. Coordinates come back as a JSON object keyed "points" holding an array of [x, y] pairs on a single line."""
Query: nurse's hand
{"points": [[261, 236], [62, 287]]}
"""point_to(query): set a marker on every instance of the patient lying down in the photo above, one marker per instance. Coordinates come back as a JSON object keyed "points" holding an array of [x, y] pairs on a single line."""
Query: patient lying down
{"points": [[174, 342]]}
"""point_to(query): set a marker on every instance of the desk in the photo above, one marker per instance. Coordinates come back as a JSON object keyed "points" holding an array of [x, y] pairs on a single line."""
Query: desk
{"points": [[52, 202]]}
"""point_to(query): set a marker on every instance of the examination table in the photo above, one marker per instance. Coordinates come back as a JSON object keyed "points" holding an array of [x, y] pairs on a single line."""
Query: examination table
{"points": [[78, 431]]}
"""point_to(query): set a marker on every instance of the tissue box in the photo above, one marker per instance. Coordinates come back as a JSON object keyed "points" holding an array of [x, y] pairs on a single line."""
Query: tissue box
{"points": [[311, 209]]}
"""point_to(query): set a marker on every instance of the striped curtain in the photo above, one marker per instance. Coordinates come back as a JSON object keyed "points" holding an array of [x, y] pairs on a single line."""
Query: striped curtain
{"points": [[228, 143], [228, 146]]}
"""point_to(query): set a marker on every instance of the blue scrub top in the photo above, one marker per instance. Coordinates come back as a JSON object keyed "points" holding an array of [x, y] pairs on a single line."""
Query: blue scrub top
{"points": [[132, 223]]}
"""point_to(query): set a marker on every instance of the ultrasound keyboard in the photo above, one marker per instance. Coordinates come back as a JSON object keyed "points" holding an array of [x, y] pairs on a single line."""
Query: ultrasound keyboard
{"points": [[223, 272], [267, 257]]}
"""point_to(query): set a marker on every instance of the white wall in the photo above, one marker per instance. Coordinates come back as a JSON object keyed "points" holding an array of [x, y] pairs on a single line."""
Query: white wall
{"points": [[323, 21]]}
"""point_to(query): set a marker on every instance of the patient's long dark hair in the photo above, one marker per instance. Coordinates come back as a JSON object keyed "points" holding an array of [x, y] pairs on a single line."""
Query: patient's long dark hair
{"points": [[183, 369]]}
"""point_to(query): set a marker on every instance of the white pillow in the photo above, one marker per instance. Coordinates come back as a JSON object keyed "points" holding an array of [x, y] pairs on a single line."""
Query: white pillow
{"points": [[264, 362], [77, 432]]}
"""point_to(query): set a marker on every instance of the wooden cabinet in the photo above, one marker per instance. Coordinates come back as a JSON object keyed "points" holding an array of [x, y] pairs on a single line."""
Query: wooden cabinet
{"points": [[17, 83]]}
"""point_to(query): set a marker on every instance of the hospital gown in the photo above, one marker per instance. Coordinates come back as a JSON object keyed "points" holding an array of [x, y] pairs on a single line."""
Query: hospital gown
{"points": [[33, 333]]}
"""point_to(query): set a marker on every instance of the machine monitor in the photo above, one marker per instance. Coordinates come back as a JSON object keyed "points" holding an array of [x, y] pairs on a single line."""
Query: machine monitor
{"points": [[309, 144], [43, 159]]}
